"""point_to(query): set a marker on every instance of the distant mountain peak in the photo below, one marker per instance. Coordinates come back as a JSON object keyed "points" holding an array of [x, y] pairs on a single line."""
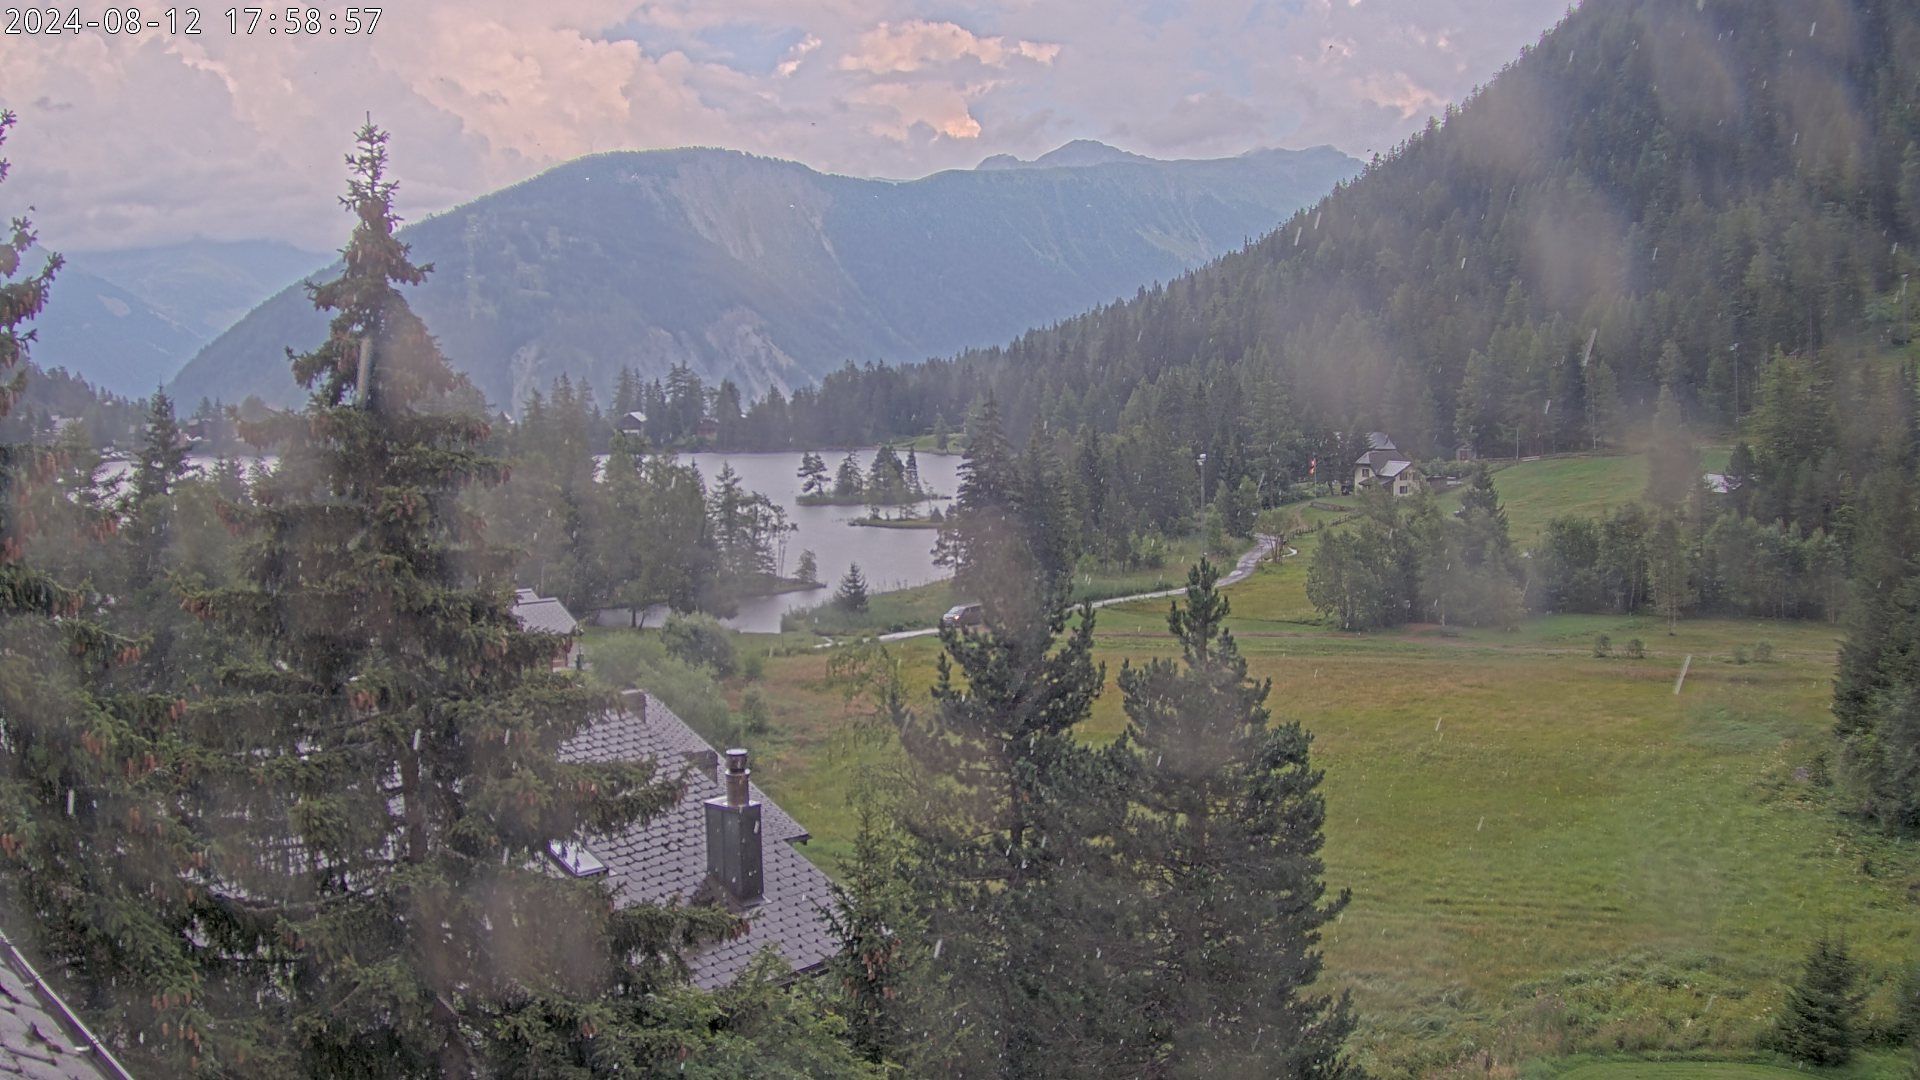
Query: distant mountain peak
{"points": [[772, 274], [1076, 154]]}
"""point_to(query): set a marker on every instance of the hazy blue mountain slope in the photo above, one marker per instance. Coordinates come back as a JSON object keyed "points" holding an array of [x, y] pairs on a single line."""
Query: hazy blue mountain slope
{"points": [[129, 320], [769, 273], [109, 336], [205, 285]]}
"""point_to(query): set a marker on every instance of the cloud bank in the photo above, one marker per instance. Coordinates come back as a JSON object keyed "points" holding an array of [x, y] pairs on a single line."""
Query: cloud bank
{"points": [[151, 138]]}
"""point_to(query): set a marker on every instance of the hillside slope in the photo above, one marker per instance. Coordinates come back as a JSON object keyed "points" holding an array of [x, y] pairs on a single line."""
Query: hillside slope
{"points": [[772, 274], [127, 321], [110, 336], [1693, 187]]}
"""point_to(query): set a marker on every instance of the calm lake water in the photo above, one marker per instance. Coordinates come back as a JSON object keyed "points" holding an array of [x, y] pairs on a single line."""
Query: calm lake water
{"points": [[890, 558]]}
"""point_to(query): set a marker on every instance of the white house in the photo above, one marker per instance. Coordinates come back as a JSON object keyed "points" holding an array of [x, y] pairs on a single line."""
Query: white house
{"points": [[1383, 463]]}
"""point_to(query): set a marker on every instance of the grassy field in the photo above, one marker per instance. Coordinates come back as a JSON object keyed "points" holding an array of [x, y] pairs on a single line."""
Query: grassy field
{"points": [[1866, 1065], [1551, 855], [1536, 491]]}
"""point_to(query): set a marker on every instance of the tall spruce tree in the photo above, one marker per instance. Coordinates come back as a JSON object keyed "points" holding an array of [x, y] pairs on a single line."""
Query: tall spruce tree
{"points": [[1013, 832], [382, 787], [1225, 839]]}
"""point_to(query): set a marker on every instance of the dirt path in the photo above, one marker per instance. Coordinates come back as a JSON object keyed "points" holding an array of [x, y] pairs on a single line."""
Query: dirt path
{"points": [[1244, 568]]}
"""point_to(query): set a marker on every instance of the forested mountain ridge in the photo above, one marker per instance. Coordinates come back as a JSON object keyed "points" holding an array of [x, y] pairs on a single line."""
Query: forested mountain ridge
{"points": [[771, 274], [1693, 187]]}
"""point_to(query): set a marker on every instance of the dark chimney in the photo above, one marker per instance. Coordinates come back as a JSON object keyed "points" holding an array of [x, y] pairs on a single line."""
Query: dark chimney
{"points": [[635, 702], [733, 834]]}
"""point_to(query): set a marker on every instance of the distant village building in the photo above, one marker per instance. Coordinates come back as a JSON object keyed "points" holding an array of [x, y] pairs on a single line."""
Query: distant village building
{"points": [[634, 423], [1720, 483], [1384, 464], [709, 429], [723, 842], [547, 615]]}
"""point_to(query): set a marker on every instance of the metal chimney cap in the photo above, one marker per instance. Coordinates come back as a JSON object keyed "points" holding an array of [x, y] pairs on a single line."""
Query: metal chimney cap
{"points": [[736, 760]]}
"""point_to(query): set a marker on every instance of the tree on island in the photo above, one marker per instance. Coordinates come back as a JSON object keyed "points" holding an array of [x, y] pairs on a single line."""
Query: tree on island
{"points": [[847, 480], [813, 474], [852, 595], [809, 569]]}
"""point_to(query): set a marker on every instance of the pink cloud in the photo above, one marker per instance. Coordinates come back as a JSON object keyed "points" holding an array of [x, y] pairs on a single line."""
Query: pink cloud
{"points": [[901, 48]]}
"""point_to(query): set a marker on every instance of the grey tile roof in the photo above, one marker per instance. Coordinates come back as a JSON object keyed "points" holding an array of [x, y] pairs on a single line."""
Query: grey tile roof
{"points": [[665, 859], [35, 1039], [545, 615]]}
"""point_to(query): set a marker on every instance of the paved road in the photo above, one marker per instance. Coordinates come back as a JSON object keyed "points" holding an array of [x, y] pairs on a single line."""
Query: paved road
{"points": [[1240, 572]]}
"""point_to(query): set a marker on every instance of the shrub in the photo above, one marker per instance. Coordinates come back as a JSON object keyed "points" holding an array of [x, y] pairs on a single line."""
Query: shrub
{"points": [[753, 715], [1817, 1023], [1602, 646], [1740, 654], [642, 660], [701, 639], [1906, 1007], [1636, 648], [1763, 653]]}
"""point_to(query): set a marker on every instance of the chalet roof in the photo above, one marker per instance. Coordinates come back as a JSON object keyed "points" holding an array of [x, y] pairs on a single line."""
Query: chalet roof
{"points": [[1380, 440], [543, 614], [1393, 468], [1383, 462], [37, 1039], [665, 859], [633, 419]]}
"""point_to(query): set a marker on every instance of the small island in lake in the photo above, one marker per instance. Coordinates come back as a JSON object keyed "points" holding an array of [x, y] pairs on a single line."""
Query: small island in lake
{"points": [[890, 481]]}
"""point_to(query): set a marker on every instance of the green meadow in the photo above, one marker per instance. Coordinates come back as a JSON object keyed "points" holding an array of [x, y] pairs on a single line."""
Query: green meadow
{"points": [[1553, 857]]}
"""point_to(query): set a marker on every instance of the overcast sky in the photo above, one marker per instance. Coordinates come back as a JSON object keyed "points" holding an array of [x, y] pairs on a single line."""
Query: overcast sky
{"points": [[131, 141]]}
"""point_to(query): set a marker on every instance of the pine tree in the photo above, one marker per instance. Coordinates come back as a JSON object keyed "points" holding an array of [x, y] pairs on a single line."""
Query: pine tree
{"points": [[383, 782], [1817, 1024], [808, 570], [882, 944], [1010, 855], [984, 538], [1673, 466], [812, 474], [1669, 577], [90, 848], [626, 393], [852, 594], [847, 482], [1226, 837]]}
